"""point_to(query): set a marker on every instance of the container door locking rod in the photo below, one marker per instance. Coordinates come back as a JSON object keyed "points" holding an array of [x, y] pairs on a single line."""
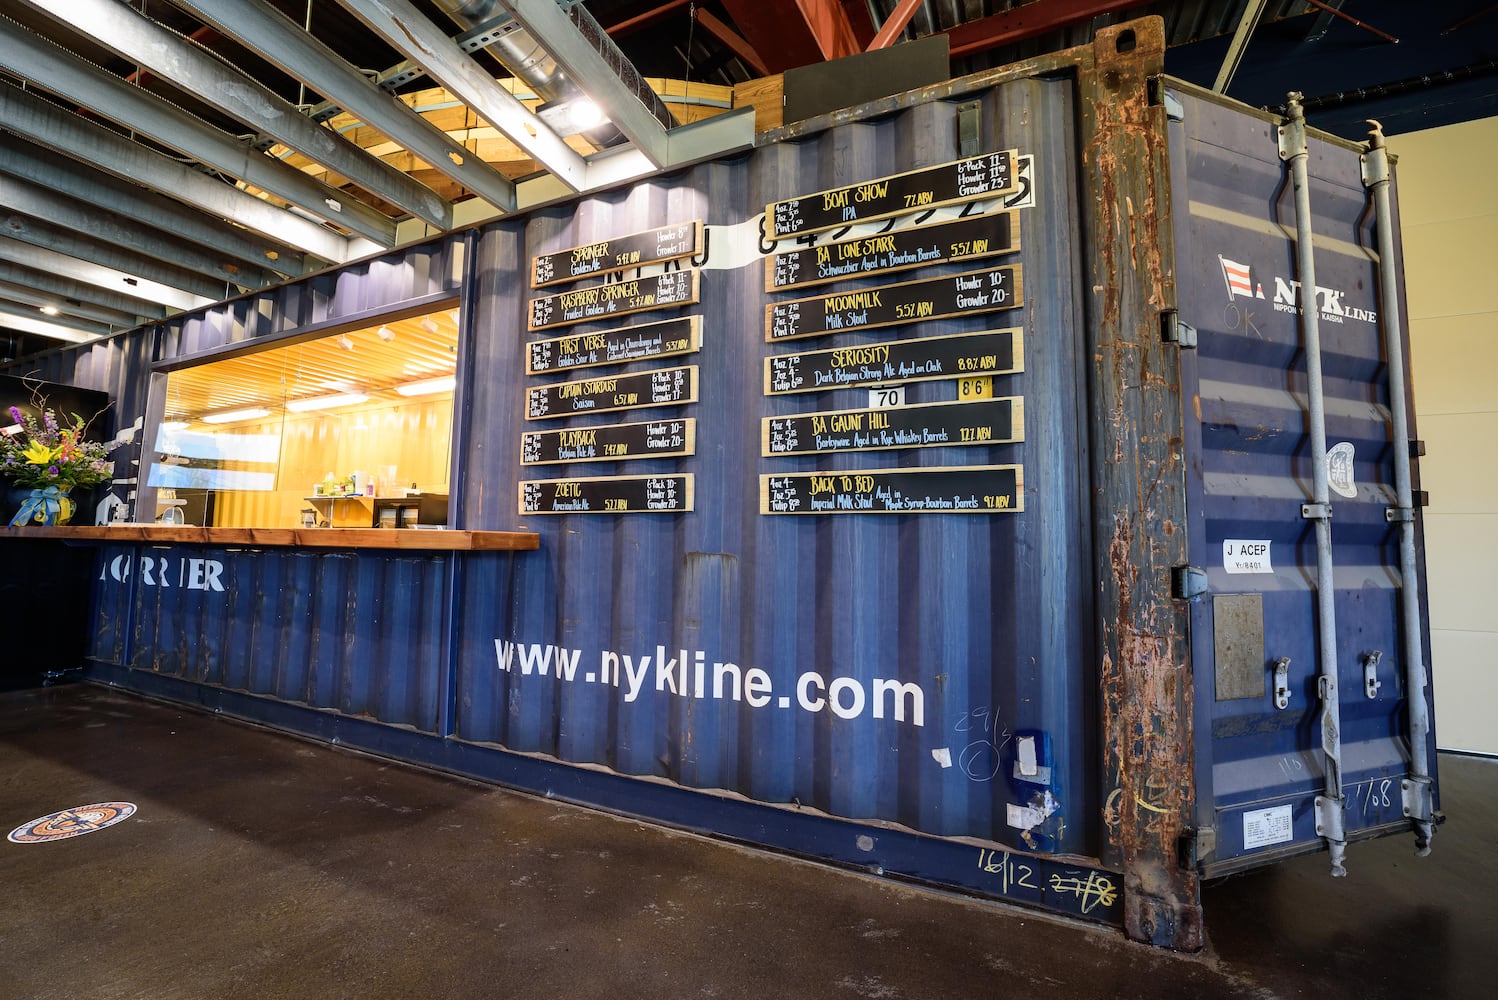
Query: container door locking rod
{"points": [[1330, 807], [1418, 799]]}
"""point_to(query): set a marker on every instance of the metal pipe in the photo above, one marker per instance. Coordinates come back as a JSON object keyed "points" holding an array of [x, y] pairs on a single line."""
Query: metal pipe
{"points": [[1376, 176], [1330, 807], [1352, 20]]}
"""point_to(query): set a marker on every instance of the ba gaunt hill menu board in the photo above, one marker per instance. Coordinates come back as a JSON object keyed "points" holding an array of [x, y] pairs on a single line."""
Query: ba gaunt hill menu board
{"points": [[929, 425], [987, 176], [684, 239], [965, 294], [970, 238]]}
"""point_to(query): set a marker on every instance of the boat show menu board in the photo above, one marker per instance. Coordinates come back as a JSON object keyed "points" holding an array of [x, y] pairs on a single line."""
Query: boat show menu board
{"points": [[971, 238], [667, 339], [671, 438], [988, 489], [615, 298], [987, 176], [684, 239], [988, 421], [670, 494], [660, 387], [962, 355], [970, 293]]}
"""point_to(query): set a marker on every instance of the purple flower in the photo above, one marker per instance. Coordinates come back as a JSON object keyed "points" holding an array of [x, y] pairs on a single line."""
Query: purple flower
{"points": [[16, 414], [53, 470]]}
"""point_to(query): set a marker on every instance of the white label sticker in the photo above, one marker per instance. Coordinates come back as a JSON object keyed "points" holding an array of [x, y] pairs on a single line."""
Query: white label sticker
{"points": [[883, 399], [1339, 475], [1267, 826], [1246, 555]]}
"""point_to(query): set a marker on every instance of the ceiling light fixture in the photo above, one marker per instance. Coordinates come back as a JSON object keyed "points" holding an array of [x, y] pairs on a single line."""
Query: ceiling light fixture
{"points": [[230, 416], [584, 115], [50, 310], [426, 387], [385, 333], [345, 343], [325, 402], [429, 325]]}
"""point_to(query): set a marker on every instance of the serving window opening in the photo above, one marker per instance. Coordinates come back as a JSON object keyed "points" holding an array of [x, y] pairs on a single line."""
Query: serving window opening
{"points": [[352, 429]]}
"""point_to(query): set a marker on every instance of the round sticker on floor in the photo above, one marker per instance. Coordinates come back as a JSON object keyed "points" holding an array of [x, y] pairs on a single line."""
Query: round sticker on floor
{"points": [[74, 822]]}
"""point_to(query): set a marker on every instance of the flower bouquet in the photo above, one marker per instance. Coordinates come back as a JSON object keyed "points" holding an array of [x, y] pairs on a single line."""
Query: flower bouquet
{"points": [[51, 459]]}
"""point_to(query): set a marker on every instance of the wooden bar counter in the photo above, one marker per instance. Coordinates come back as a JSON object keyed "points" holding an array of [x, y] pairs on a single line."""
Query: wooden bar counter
{"points": [[414, 539]]}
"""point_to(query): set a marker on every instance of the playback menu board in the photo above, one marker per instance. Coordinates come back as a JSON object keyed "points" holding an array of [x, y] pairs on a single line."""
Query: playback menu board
{"points": [[971, 238], [932, 425], [672, 494], [666, 339], [987, 489], [656, 246], [985, 176], [962, 355], [616, 298], [964, 294], [672, 438]]}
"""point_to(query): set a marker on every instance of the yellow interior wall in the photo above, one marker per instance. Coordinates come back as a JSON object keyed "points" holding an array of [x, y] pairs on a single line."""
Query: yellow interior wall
{"points": [[1449, 209]]}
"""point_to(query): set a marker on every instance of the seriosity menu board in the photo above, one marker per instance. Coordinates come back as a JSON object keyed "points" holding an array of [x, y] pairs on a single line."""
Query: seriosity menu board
{"points": [[973, 489], [971, 238], [671, 438], [666, 339], [669, 494], [930, 425], [661, 387], [616, 298], [620, 253], [985, 176], [970, 293], [962, 355]]}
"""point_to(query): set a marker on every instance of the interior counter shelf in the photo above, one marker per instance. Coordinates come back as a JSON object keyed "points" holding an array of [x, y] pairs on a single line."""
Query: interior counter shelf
{"points": [[311, 538]]}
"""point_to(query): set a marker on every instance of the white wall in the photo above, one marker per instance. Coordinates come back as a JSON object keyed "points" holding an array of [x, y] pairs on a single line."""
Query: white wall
{"points": [[1449, 209]]}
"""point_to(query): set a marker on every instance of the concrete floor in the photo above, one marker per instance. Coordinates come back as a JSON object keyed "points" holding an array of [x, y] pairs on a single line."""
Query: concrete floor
{"points": [[264, 866]]}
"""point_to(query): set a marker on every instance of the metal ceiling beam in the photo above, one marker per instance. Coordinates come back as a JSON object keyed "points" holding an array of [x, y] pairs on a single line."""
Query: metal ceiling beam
{"points": [[424, 43], [287, 46], [54, 69], [110, 279], [736, 42], [28, 297], [26, 160], [69, 294], [57, 331], [894, 25], [125, 235], [21, 308], [1020, 23], [92, 144], [192, 70], [1239, 45], [779, 31]]}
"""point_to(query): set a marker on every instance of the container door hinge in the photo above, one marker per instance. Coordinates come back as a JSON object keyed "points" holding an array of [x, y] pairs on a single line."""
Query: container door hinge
{"points": [[1330, 818], [1282, 683], [1418, 798], [1370, 672], [1187, 582], [1158, 94], [1173, 331], [1197, 847], [969, 129]]}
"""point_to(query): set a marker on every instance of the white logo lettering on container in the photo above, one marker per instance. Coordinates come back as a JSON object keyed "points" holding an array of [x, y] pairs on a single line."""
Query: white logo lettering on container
{"points": [[1339, 474]]}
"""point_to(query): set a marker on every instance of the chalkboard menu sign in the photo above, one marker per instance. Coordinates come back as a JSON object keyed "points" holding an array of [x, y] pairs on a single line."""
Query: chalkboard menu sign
{"points": [[608, 495], [996, 352], [611, 442], [972, 489], [971, 238], [964, 294], [932, 425], [662, 387], [618, 254], [985, 176], [615, 298], [626, 343]]}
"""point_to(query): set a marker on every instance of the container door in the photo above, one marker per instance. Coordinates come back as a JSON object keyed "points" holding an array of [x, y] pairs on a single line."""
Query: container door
{"points": [[1255, 631]]}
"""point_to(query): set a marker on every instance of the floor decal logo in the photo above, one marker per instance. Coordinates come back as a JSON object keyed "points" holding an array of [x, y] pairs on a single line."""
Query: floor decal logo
{"points": [[74, 822]]}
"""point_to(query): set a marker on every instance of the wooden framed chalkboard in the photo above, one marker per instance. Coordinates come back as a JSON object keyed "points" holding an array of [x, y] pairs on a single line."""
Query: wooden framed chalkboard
{"points": [[661, 387], [927, 425], [668, 338], [671, 494], [970, 238], [958, 489], [614, 298], [672, 438], [655, 246], [960, 355], [966, 294], [986, 176]]}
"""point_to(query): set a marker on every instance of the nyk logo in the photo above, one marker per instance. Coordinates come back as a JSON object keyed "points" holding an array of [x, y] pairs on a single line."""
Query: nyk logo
{"points": [[1242, 282]]}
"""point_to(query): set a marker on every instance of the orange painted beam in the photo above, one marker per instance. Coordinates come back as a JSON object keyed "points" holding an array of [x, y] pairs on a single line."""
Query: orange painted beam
{"points": [[791, 33], [1027, 21], [894, 25], [733, 40]]}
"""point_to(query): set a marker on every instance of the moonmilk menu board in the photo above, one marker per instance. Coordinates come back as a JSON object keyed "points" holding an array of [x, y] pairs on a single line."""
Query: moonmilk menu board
{"points": [[908, 302], [971, 238], [985, 176], [662, 387], [616, 298], [608, 495], [933, 425], [626, 343], [618, 254], [996, 352], [611, 442], [970, 489]]}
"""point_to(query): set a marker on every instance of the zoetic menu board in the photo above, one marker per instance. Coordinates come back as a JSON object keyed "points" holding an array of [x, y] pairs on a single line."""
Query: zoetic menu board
{"points": [[626, 343], [616, 298], [618, 254], [970, 238], [932, 425], [907, 302], [962, 355], [973, 489], [662, 387], [608, 495], [611, 442], [985, 176]]}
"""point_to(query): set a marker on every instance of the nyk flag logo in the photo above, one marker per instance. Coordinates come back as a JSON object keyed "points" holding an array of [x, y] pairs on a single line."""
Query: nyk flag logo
{"points": [[1240, 279]]}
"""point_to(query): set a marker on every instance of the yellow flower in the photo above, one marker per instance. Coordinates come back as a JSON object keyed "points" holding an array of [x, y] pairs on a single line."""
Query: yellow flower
{"points": [[37, 453]]}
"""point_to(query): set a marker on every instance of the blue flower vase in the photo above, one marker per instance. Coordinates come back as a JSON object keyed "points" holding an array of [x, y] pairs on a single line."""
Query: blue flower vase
{"points": [[49, 506]]}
